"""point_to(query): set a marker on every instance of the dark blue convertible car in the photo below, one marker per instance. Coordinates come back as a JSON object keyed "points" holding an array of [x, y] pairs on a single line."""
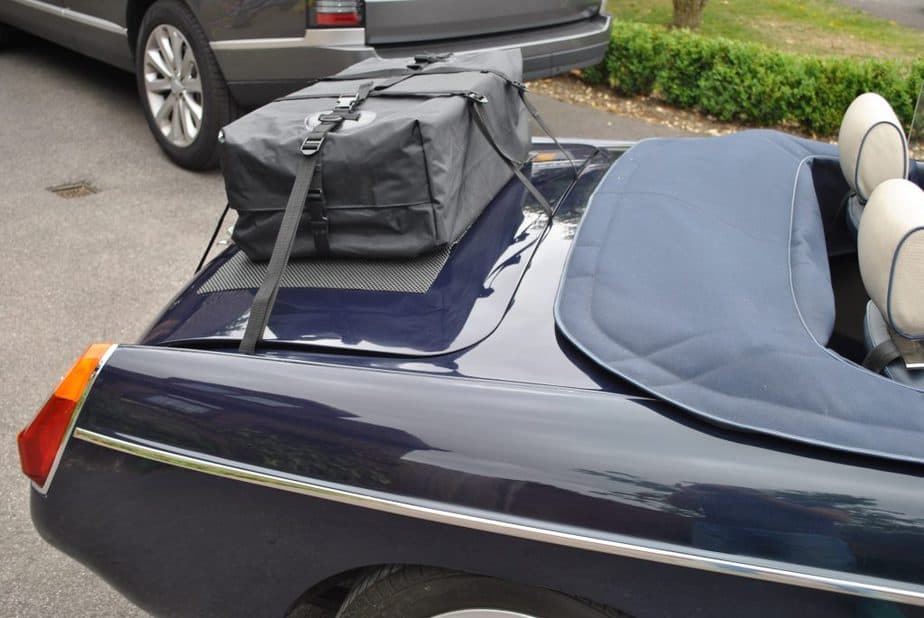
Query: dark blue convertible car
{"points": [[652, 404]]}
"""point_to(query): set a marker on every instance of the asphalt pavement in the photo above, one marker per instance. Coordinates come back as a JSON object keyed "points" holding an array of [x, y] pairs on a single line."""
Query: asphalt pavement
{"points": [[99, 267]]}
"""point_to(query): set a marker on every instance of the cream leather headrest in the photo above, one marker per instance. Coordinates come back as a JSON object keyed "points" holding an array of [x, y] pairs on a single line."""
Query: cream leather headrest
{"points": [[872, 144], [891, 248]]}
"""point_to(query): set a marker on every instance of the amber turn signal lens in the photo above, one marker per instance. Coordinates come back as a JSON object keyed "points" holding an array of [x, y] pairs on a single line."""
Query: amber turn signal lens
{"points": [[40, 442]]}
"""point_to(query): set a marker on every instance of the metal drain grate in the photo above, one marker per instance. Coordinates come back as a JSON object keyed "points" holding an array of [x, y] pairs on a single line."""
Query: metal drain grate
{"points": [[71, 190]]}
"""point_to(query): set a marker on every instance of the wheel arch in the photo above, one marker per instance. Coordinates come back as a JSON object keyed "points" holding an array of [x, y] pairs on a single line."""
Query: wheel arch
{"points": [[331, 593], [134, 13]]}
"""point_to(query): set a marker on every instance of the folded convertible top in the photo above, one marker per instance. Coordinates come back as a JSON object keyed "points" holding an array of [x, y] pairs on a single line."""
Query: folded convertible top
{"points": [[700, 274]]}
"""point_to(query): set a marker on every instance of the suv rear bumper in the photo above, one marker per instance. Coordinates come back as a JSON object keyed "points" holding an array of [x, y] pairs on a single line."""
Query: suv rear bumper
{"points": [[259, 70]]}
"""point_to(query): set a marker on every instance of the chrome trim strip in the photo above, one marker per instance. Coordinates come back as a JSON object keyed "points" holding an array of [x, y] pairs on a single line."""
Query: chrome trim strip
{"points": [[597, 143], [618, 545], [70, 427], [315, 37], [80, 18]]}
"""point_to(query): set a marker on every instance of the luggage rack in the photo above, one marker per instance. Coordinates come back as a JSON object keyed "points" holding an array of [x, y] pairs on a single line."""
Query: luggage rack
{"points": [[407, 275]]}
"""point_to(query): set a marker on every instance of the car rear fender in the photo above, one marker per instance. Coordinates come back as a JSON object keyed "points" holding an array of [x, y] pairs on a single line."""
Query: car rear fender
{"points": [[600, 471]]}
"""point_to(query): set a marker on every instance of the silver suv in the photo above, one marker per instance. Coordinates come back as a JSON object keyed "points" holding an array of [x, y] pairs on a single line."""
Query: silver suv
{"points": [[198, 62]]}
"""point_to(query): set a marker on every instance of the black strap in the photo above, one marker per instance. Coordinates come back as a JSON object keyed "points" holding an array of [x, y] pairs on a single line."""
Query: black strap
{"points": [[362, 93], [396, 77], [413, 70], [208, 247], [429, 58], [266, 295], [538, 118], [315, 204], [416, 70], [391, 76], [385, 93], [482, 122], [317, 213], [307, 194], [881, 356]]}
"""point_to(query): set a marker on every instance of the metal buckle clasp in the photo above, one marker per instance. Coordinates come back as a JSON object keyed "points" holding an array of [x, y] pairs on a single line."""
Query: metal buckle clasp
{"points": [[345, 103], [311, 146]]}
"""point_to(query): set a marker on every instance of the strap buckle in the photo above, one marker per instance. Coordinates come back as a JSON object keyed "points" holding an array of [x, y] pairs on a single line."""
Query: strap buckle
{"points": [[334, 118], [345, 103], [311, 146], [476, 97]]}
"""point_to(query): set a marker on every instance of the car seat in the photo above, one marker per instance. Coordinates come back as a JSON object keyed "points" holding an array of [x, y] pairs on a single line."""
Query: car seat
{"points": [[891, 252], [873, 149]]}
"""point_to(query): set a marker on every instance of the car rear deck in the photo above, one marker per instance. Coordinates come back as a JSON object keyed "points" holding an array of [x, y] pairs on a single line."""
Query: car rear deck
{"points": [[485, 304]]}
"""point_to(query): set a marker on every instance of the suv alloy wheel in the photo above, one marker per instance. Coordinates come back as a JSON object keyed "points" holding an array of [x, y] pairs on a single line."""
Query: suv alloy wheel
{"points": [[184, 95]]}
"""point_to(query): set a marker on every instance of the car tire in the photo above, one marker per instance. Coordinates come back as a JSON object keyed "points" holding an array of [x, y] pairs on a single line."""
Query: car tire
{"points": [[420, 592], [184, 95]]}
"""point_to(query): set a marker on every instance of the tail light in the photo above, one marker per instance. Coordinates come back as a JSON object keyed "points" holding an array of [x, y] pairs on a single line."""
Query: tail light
{"points": [[40, 442], [335, 13]]}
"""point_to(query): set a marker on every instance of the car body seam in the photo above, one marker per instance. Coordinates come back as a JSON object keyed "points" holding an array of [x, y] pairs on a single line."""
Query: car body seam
{"points": [[77, 16]]}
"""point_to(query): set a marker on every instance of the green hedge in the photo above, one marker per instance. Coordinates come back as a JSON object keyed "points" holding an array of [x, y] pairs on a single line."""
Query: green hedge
{"points": [[744, 82]]}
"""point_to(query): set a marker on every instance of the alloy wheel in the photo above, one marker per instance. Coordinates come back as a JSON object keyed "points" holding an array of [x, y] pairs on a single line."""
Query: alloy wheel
{"points": [[173, 85]]}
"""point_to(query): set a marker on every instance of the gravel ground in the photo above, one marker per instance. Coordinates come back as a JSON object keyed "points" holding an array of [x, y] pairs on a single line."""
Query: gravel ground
{"points": [[569, 88]]}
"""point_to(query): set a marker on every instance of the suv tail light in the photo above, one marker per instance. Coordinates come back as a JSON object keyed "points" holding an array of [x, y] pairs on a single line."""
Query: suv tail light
{"points": [[335, 13], [41, 442]]}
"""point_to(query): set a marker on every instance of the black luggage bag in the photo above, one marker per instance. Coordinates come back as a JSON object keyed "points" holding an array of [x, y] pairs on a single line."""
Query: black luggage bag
{"points": [[388, 159], [401, 163]]}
